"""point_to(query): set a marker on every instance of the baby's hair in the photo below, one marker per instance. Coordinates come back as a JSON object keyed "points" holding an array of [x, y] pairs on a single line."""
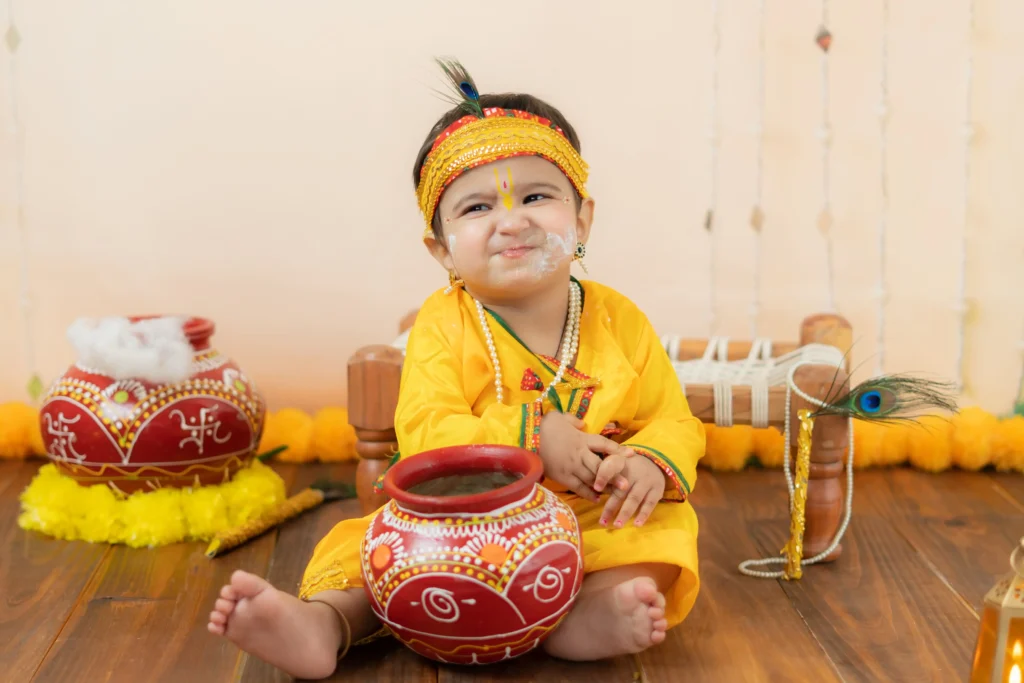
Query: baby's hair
{"points": [[519, 101]]}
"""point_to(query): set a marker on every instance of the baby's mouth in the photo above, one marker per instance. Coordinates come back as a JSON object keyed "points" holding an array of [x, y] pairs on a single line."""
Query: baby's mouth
{"points": [[517, 252]]}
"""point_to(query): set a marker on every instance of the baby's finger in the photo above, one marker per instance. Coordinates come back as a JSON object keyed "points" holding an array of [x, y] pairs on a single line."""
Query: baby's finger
{"points": [[650, 502], [602, 445], [581, 489], [611, 507], [609, 468], [633, 500], [574, 421], [590, 463]]}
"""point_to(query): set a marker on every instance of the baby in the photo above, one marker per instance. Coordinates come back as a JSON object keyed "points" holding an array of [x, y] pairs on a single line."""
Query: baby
{"points": [[516, 350]]}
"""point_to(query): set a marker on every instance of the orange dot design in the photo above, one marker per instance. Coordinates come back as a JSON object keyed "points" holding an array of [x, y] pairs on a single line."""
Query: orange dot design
{"points": [[381, 557], [493, 554]]}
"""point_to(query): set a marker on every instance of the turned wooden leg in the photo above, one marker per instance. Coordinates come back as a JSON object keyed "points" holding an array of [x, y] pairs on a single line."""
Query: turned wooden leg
{"points": [[824, 509], [375, 449], [825, 491], [374, 374]]}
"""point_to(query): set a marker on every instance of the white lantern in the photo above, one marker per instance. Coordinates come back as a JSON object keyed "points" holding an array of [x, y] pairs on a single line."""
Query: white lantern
{"points": [[999, 654]]}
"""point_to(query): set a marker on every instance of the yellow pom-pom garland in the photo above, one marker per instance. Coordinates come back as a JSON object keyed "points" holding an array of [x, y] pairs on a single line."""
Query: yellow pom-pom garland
{"points": [[59, 506]]}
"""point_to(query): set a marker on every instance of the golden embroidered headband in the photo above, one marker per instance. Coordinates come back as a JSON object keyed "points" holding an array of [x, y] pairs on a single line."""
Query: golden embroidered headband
{"points": [[487, 135]]}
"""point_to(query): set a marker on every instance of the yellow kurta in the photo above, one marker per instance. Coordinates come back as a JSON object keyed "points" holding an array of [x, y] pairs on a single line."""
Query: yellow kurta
{"points": [[623, 385]]}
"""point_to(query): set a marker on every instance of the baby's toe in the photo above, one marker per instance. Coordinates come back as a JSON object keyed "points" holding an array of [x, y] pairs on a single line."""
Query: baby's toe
{"points": [[646, 590], [225, 607]]}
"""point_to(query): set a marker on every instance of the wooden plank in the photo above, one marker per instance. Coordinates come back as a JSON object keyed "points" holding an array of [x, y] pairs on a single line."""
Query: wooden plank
{"points": [[971, 553], [692, 349], [382, 661], [1011, 484], [738, 626], [906, 492], [880, 612], [753, 494], [537, 666], [143, 616], [40, 579], [961, 523]]}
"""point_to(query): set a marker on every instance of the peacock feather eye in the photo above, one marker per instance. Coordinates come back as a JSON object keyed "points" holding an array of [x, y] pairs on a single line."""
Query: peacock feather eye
{"points": [[468, 90], [871, 401], [891, 398]]}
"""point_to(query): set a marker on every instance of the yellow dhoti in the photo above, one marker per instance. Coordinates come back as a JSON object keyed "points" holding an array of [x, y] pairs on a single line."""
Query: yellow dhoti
{"points": [[669, 537]]}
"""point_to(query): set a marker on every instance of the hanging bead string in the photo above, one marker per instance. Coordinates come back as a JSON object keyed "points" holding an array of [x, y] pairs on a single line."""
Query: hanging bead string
{"points": [[12, 41], [709, 218], [757, 214], [570, 343], [824, 40], [962, 306], [882, 295]]}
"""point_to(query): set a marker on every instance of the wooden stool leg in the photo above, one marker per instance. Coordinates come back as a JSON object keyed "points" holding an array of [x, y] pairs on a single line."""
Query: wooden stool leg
{"points": [[824, 509], [831, 434], [374, 375]]}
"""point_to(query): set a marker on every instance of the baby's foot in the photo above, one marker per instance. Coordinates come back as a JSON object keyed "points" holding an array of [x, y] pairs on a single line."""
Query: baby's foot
{"points": [[300, 638], [622, 619]]}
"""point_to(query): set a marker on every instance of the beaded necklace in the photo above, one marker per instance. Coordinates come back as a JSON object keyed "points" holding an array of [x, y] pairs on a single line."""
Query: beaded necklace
{"points": [[569, 346]]}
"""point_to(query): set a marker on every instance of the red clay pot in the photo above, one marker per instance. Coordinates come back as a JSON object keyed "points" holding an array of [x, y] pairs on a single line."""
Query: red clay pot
{"points": [[476, 578], [135, 435]]}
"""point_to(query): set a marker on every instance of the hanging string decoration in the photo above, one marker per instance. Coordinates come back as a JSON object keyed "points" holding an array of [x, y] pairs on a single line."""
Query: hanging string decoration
{"points": [[709, 217], [1018, 407], [882, 294], [757, 213], [824, 40], [962, 306], [12, 41]]}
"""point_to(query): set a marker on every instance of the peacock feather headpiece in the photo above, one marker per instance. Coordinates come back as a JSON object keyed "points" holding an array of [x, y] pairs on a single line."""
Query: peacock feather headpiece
{"points": [[485, 135]]}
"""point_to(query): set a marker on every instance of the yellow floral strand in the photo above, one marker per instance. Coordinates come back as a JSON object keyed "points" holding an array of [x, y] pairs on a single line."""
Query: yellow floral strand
{"points": [[294, 506], [794, 550]]}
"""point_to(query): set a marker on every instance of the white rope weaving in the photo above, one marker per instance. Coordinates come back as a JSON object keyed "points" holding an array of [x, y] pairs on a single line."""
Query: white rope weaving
{"points": [[758, 370]]}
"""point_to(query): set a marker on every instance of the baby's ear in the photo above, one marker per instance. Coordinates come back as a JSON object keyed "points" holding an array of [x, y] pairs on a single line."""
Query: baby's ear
{"points": [[585, 219], [439, 252]]}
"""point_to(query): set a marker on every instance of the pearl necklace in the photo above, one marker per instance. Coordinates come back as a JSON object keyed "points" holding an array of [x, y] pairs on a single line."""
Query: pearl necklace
{"points": [[570, 342]]}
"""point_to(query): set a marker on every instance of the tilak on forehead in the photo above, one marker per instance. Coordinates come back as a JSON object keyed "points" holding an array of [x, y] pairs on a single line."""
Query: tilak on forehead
{"points": [[486, 135]]}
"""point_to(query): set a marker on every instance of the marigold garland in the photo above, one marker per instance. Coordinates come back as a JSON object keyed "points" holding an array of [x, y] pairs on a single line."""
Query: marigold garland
{"points": [[971, 440], [58, 506]]}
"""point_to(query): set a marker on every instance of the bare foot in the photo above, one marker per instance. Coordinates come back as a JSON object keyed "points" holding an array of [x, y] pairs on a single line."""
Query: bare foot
{"points": [[300, 638], [613, 621]]}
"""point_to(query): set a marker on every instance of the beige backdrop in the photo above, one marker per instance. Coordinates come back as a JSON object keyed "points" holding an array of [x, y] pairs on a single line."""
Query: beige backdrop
{"points": [[250, 161]]}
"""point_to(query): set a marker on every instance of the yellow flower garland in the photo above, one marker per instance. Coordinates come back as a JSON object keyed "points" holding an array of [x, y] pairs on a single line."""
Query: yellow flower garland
{"points": [[970, 440], [58, 506]]}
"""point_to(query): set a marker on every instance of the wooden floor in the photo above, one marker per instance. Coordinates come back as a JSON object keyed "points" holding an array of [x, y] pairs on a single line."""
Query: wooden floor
{"points": [[900, 605]]}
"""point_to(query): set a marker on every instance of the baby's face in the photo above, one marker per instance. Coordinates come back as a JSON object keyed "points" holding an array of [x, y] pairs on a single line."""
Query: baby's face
{"points": [[511, 226]]}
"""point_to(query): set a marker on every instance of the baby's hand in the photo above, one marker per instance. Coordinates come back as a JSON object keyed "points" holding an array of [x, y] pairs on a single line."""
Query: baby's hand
{"points": [[646, 486], [570, 455]]}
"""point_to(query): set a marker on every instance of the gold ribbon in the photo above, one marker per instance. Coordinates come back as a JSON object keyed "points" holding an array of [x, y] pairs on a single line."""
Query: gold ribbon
{"points": [[794, 549]]}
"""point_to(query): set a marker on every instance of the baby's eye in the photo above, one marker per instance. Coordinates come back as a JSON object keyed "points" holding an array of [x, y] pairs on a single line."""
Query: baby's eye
{"points": [[476, 207], [534, 197]]}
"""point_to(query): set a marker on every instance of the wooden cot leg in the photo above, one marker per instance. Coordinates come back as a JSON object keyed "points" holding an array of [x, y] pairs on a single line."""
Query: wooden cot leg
{"points": [[825, 494], [374, 375]]}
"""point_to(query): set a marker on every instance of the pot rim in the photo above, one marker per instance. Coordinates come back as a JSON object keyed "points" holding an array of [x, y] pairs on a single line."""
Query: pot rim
{"points": [[196, 328], [462, 459]]}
